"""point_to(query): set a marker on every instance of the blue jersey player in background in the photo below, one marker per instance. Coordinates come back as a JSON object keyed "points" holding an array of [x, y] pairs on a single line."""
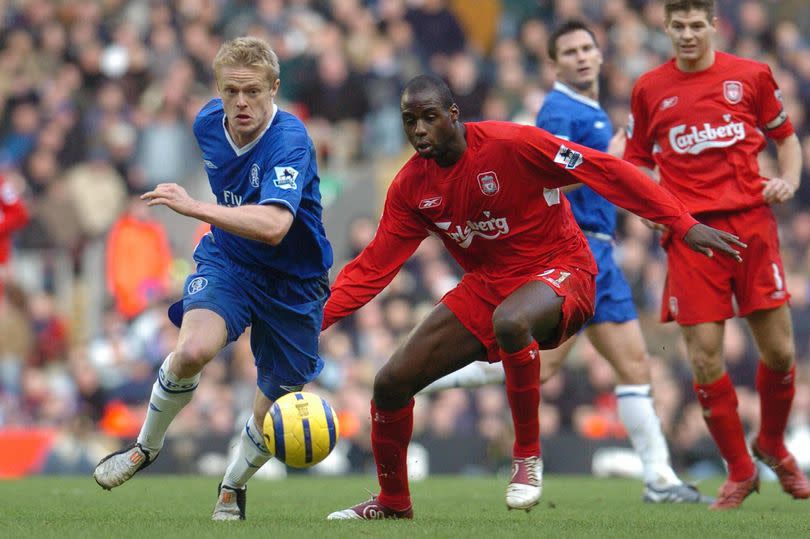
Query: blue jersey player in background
{"points": [[571, 111], [264, 264]]}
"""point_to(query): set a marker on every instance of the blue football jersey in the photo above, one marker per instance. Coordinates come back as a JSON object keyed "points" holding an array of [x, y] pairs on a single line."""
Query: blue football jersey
{"points": [[277, 168], [574, 117]]}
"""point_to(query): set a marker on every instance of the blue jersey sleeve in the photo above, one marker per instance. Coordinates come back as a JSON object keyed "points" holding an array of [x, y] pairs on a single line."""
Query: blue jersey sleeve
{"points": [[288, 172], [559, 125]]}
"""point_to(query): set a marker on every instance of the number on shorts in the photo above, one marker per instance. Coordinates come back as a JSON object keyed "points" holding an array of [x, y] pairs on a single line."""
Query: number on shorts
{"points": [[559, 280]]}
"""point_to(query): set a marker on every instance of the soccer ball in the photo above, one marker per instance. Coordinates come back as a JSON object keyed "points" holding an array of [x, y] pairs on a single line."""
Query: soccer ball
{"points": [[301, 429]]}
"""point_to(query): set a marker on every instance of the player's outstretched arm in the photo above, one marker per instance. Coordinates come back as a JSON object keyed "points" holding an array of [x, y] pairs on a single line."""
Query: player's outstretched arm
{"points": [[628, 187], [265, 223], [368, 274], [705, 239]]}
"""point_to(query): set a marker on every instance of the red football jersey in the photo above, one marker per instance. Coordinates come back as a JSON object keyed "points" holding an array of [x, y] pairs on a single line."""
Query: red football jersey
{"points": [[704, 130], [498, 210]]}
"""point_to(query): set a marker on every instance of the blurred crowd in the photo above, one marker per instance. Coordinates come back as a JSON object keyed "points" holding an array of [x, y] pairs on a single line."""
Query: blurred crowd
{"points": [[97, 98]]}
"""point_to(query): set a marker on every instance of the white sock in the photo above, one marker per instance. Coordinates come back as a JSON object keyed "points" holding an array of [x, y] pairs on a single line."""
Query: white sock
{"points": [[250, 455], [169, 395], [638, 415], [476, 374]]}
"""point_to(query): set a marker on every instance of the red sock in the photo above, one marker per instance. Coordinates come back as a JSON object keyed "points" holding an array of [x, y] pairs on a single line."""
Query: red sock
{"points": [[776, 390], [522, 370], [719, 402], [391, 432]]}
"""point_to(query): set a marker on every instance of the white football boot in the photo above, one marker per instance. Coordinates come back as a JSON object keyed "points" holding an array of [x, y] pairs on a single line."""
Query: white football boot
{"points": [[117, 468], [526, 485], [230, 504]]}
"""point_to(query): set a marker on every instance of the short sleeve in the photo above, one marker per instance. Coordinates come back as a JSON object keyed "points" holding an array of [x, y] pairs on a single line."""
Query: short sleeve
{"points": [[287, 173], [771, 115], [559, 125]]}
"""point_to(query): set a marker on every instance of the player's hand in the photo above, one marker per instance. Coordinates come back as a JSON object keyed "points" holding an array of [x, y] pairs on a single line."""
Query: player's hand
{"points": [[777, 190], [704, 239], [617, 143], [171, 195], [653, 225]]}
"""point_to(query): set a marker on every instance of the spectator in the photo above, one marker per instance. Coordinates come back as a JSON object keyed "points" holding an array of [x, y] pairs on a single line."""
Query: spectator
{"points": [[138, 260]]}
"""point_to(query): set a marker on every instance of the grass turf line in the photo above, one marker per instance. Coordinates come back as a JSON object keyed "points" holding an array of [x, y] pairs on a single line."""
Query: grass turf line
{"points": [[155, 506]]}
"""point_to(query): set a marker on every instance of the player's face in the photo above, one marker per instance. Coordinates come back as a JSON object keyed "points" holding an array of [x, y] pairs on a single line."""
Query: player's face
{"points": [[247, 97], [429, 125], [578, 60], [691, 33]]}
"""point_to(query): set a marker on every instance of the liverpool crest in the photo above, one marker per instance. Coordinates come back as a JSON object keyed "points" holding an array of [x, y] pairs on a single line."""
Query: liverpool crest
{"points": [[488, 182], [733, 91]]}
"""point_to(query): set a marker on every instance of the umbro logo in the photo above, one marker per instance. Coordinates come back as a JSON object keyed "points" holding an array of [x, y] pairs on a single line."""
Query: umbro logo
{"points": [[430, 203]]}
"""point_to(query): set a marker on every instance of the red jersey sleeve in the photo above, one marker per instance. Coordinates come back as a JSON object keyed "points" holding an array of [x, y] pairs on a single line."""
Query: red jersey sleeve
{"points": [[398, 235], [616, 180], [771, 115], [13, 212], [639, 147]]}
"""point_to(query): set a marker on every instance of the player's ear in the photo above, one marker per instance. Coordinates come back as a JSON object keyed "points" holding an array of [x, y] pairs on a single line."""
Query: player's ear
{"points": [[454, 112], [274, 87]]}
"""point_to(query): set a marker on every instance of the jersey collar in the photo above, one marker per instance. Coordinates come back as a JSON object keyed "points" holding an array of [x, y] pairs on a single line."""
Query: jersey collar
{"points": [[247, 147], [567, 90]]}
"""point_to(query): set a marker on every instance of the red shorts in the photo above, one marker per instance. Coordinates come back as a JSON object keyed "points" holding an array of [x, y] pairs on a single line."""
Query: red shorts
{"points": [[699, 289], [475, 298]]}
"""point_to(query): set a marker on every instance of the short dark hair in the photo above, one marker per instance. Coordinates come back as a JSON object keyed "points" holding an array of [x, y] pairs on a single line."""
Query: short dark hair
{"points": [[670, 6], [566, 28], [430, 83]]}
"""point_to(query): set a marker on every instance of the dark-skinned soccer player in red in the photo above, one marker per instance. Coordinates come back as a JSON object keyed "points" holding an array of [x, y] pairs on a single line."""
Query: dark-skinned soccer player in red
{"points": [[491, 192]]}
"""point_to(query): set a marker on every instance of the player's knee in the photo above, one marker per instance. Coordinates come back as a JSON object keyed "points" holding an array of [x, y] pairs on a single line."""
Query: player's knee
{"points": [[706, 367], [780, 358], [633, 369], [189, 358], [511, 330], [391, 390]]}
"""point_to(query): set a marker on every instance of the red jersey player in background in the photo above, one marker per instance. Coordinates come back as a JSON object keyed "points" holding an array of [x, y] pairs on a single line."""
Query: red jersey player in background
{"points": [[702, 118], [491, 192], [13, 216]]}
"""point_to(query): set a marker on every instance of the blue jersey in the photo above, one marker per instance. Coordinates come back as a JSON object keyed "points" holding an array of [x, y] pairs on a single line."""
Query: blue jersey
{"points": [[277, 168], [571, 116]]}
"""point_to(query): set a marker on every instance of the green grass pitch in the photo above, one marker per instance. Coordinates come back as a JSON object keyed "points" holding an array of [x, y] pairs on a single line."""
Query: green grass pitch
{"points": [[179, 507]]}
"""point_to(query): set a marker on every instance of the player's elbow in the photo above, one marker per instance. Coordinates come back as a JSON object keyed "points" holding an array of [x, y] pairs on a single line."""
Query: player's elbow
{"points": [[269, 235], [273, 239], [276, 227]]}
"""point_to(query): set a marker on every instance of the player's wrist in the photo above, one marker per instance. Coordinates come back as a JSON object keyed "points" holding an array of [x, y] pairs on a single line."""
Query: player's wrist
{"points": [[683, 225]]}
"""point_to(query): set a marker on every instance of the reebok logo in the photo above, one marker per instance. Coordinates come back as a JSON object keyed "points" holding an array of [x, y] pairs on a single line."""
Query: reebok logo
{"points": [[432, 202], [694, 139], [669, 102]]}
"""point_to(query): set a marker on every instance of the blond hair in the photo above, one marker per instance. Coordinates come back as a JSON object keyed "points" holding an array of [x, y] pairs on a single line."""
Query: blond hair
{"points": [[247, 52]]}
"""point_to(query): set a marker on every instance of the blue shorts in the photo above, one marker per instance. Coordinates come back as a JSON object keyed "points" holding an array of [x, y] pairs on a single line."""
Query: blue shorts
{"points": [[285, 315], [614, 300]]}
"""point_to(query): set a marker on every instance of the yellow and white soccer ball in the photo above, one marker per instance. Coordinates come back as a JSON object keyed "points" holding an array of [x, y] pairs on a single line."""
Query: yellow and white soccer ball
{"points": [[301, 429]]}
